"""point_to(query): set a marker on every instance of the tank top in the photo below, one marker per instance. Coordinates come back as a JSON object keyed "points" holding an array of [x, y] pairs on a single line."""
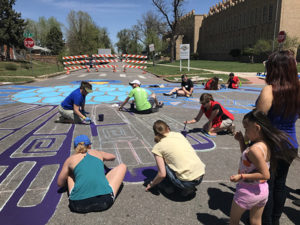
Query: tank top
{"points": [[90, 180], [285, 124], [246, 166]]}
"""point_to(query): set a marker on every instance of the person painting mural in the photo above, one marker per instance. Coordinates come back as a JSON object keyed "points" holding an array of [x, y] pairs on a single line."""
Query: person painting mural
{"points": [[233, 81]]}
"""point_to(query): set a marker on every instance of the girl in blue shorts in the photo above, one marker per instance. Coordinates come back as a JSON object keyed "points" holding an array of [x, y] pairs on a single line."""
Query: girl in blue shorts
{"points": [[266, 146]]}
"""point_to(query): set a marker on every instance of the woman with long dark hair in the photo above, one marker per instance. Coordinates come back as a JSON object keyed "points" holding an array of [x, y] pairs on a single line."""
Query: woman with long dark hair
{"points": [[280, 100]]}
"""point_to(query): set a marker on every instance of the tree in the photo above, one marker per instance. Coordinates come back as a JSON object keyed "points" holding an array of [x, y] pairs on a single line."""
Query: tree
{"points": [[128, 42], [84, 36], [151, 31], [41, 29], [175, 12], [54, 40], [11, 26]]}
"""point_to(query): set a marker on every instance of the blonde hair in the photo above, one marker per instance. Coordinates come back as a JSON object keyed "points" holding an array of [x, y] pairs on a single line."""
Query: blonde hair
{"points": [[81, 148], [160, 128]]}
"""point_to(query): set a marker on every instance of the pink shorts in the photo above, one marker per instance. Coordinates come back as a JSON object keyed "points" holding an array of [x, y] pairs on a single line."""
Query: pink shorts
{"points": [[249, 195]]}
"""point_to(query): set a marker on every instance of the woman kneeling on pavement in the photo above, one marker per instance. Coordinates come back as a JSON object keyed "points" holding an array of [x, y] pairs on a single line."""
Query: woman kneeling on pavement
{"points": [[176, 160], [219, 118], [91, 190]]}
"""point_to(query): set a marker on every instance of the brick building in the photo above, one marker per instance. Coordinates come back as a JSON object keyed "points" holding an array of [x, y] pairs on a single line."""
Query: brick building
{"points": [[237, 24]]}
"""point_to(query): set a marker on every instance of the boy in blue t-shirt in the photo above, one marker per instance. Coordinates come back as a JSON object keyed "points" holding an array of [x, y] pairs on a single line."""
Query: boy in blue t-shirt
{"points": [[72, 108]]}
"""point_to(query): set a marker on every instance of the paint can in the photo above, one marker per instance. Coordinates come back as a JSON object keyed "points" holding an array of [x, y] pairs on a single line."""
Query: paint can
{"points": [[101, 117]]}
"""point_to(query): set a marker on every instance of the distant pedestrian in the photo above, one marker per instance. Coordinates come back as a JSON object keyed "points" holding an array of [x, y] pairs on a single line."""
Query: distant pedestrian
{"points": [[266, 146], [72, 109], [233, 81], [219, 118], [90, 189], [186, 89]]}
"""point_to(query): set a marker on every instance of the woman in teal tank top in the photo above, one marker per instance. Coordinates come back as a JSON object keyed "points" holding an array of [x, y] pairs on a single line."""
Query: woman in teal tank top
{"points": [[90, 189]]}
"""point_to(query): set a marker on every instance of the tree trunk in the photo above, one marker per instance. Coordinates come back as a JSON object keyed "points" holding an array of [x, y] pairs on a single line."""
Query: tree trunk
{"points": [[173, 43], [8, 53]]}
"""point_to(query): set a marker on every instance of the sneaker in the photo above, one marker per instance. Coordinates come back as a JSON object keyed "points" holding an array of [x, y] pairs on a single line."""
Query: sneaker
{"points": [[85, 122], [167, 94]]}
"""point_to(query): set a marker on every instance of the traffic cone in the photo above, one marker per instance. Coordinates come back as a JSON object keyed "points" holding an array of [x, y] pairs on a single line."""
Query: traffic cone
{"points": [[124, 70], [114, 70], [68, 72], [88, 70]]}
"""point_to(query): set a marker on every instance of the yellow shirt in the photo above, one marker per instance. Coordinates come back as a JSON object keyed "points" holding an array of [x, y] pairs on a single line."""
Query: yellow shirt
{"points": [[180, 156]]}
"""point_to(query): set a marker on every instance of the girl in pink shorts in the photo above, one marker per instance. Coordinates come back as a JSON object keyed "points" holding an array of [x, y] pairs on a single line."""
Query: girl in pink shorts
{"points": [[265, 147]]}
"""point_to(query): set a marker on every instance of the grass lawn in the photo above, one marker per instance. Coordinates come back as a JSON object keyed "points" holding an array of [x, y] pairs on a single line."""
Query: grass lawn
{"points": [[15, 71], [174, 74], [223, 65]]}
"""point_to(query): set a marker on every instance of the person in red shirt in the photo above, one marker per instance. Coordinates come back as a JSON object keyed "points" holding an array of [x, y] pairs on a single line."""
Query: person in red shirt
{"points": [[219, 118], [233, 81], [212, 84]]}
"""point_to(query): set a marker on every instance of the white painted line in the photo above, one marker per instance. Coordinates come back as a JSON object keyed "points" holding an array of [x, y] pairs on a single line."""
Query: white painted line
{"points": [[102, 75], [141, 76], [122, 75], [62, 77], [83, 75]]}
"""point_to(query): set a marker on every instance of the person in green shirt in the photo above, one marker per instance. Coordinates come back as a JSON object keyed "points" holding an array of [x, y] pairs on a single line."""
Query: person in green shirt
{"points": [[143, 105]]}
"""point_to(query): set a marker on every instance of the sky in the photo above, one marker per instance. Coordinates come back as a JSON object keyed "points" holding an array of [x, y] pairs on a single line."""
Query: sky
{"points": [[115, 15]]}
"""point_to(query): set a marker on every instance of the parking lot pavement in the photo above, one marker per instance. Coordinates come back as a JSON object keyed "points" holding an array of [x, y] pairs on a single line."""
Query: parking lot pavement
{"points": [[34, 148]]}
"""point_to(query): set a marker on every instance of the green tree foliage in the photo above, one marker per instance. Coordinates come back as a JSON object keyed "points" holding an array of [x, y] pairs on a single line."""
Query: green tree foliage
{"points": [[54, 40], [41, 29], [84, 36], [129, 42], [11, 26], [265, 47], [171, 11], [151, 31]]}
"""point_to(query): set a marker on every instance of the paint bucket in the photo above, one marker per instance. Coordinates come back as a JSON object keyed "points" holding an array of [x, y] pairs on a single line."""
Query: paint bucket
{"points": [[101, 117]]}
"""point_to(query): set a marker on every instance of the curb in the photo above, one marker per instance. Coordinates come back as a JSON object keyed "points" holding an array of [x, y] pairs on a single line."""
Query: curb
{"points": [[33, 78]]}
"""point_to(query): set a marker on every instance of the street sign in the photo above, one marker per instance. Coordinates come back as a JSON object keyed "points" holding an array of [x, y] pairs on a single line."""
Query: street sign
{"points": [[185, 51], [29, 42], [281, 36], [151, 47], [27, 34]]}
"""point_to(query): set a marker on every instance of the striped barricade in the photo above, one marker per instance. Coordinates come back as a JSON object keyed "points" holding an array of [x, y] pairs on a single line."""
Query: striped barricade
{"points": [[134, 56], [134, 61], [74, 61], [107, 58]]}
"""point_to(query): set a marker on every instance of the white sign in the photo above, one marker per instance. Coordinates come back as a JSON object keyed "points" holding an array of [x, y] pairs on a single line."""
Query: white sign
{"points": [[151, 47], [185, 51], [104, 51]]}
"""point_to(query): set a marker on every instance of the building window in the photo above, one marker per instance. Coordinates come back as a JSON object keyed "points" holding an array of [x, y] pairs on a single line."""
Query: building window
{"points": [[270, 13], [265, 14]]}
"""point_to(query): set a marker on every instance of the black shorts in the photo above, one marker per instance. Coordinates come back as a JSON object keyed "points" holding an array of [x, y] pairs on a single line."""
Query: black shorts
{"points": [[94, 204]]}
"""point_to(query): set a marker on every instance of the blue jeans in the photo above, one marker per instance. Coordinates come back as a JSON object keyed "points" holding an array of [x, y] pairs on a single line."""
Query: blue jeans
{"points": [[179, 183], [277, 194]]}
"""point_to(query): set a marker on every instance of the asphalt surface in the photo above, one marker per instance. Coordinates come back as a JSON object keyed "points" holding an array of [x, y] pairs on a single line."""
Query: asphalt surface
{"points": [[33, 149]]}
